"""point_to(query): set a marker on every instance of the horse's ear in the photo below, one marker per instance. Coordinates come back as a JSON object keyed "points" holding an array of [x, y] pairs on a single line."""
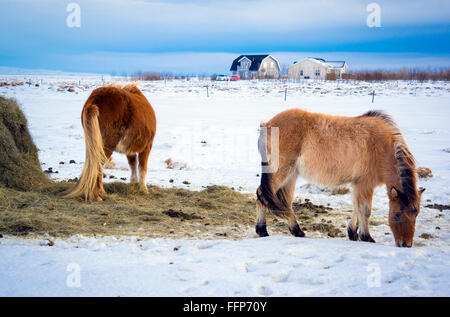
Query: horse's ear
{"points": [[421, 190], [394, 192]]}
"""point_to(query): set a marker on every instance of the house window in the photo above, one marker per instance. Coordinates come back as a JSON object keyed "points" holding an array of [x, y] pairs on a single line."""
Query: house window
{"points": [[317, 72], [245, 64]]}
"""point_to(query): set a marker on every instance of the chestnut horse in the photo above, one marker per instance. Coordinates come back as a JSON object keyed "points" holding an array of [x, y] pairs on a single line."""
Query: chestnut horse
{"points": [[364, 151], [115, 118]]}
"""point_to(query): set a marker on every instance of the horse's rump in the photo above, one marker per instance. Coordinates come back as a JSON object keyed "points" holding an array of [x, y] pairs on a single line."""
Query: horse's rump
{"points": [[114, 118], [126, 118]]}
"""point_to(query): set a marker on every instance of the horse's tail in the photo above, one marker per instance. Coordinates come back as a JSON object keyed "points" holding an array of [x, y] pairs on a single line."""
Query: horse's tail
{"points": [[95, 156], [275, 202]]}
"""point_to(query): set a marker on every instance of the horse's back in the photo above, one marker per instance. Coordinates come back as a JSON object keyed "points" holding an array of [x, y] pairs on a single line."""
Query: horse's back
{"points": [[126, 118], [331, 150], [111, 102]]}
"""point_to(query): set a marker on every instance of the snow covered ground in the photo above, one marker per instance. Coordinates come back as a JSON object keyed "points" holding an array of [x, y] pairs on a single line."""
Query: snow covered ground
{"points": [[275, 266], [215, 138]]}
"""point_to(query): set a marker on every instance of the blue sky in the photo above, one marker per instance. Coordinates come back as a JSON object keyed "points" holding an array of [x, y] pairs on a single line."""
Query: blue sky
{"points": [[204, 36]]}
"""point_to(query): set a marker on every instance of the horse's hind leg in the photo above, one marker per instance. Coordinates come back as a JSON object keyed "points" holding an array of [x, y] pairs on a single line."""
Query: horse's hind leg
{"points": [[363, 195], [282, 184], [132, 161], [286, 194], [143, 159]]}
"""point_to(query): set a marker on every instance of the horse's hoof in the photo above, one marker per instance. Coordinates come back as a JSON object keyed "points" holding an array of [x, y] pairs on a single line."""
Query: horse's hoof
{"points": [[352, 234], [367, 238], [144, 188], [296, 231], [261, 230]]}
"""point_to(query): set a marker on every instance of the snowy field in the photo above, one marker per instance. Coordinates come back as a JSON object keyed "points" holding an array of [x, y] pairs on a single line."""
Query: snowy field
{"points": [[211, 134]]}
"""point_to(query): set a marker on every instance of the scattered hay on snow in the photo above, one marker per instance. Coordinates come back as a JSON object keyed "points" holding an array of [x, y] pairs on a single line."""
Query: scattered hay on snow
{"points": [[216, 211], [424, 172], [174, 165]]}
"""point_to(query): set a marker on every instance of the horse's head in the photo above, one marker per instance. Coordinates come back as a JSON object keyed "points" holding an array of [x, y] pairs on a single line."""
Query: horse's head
{"points": [[403, 211]]}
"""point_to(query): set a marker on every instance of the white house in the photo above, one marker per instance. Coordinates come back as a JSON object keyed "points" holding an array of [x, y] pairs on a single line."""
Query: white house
{"points": [[256, 66], [316, 68]]}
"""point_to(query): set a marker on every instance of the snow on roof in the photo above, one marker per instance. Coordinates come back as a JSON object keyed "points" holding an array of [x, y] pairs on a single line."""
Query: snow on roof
{"points": [[329, 64], [254, 59], [336, 64]]}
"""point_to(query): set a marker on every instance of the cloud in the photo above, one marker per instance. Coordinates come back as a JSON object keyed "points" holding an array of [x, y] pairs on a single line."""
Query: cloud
{"points": [[37, 30]]}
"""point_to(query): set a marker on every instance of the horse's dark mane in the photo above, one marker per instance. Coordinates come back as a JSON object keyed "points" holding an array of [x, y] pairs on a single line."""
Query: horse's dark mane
{"points": [[383, 116], [406, 164]]}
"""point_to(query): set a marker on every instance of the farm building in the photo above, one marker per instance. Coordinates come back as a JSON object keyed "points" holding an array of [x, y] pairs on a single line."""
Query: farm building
{"points": [[316, 68], [256, 66]]}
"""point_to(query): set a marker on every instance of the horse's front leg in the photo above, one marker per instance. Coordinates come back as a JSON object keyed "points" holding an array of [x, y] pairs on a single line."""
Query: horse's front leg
{"points": [[261, 226], [352, 227], [363, 206]]}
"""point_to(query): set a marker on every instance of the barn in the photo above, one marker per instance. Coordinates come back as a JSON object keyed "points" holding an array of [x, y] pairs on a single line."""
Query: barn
{"points": [[316, 68]]}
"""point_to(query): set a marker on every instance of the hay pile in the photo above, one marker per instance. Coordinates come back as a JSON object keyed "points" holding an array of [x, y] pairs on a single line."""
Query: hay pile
{"points": [[19, 163]]}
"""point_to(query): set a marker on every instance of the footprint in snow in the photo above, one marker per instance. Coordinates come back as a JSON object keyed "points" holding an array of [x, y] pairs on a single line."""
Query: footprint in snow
{"points": [[280, 277], [263, 290], [269, 261], [207, 245], [245, 267]]}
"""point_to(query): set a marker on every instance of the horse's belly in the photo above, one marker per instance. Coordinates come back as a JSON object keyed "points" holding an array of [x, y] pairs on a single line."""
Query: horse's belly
{"points": [[323, 172], [133, 141], [122, 146]]}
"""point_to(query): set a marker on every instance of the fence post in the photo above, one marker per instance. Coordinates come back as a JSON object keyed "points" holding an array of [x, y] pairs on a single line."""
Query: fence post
{"points": [[373, 95], [285, 93], [207, 91]]}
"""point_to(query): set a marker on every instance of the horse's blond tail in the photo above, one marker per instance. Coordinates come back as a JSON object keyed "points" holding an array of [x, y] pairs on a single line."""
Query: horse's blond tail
{"points": [[87, 185]]}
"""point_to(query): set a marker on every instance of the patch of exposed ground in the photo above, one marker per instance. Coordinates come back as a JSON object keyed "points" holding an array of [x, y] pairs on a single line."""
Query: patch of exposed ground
{"points": [[319, 218], [212, 213], [438, 207]]}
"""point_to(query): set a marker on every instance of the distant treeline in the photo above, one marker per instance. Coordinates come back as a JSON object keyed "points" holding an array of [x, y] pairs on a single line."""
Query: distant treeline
{"points": [[150, 76], [364, 75], [403, 74]]}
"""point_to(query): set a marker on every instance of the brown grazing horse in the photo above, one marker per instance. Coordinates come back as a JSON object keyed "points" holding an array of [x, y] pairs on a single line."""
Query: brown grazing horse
{"points": [[114, 118], [364, 151]]}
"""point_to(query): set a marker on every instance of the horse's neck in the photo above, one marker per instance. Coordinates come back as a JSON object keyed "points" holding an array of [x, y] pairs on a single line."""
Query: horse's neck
{"points": [[393, 178], [390, 174]]}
